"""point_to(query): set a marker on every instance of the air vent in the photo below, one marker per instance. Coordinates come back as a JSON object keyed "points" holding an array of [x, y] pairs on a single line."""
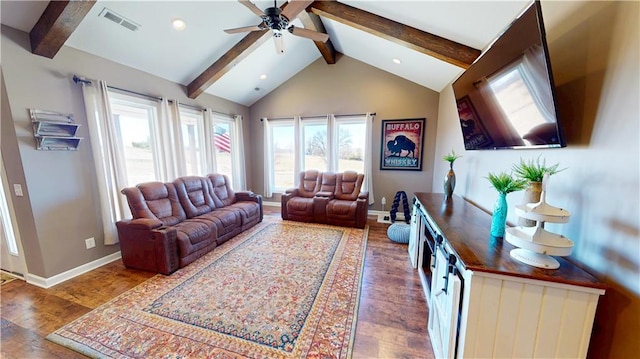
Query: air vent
{"points": [[118, 19]]}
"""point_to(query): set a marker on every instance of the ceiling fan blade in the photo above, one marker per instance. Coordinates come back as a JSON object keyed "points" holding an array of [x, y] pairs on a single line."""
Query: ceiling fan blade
{"points": [[310, 34], [254, 9], [294, 7], [277, 39], [243, 29]]}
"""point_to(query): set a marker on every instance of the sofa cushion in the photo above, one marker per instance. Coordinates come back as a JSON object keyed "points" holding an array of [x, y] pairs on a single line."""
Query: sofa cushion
{"points": [[329, 181], [195, 238], [194, 194], [309, 183], [221, 192], [227, 223], [348, 185], [249, 211], [194, 231], [155, 200], [300, 206]]}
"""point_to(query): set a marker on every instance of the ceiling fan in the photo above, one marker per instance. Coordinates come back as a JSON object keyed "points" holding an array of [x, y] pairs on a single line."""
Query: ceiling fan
{"points": [[277, 20]]}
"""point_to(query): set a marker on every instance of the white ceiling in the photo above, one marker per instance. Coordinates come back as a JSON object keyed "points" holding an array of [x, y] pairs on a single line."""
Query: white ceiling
{"points": [[180, 56]]}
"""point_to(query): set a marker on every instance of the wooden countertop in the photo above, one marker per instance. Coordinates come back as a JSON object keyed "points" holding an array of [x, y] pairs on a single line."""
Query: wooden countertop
{"points": [[467, 229]]}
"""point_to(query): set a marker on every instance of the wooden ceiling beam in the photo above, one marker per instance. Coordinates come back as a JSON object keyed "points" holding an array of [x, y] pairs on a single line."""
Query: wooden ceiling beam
{"points": [[240, 51], [312, 22], [226, 62], [58, 21], [446, 50]]}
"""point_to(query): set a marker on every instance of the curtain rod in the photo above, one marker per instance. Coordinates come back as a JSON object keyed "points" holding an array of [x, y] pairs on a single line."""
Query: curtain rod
{"points": [[351, 114], [77, 79]]}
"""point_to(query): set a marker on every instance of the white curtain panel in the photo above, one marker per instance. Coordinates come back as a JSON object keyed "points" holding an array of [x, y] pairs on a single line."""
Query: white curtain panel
{"points": [[332, 144], [239, 175], [111, 175], [171, 149], [535, 69], [297, 163], [368, 158], [268, 163]]}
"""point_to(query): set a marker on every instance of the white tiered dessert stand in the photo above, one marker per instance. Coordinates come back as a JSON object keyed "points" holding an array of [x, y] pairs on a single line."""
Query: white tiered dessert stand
{"points": [[535, 244]]}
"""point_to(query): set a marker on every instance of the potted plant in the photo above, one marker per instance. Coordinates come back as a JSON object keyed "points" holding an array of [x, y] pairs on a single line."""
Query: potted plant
{"points": [[450, 178], [503, 183], [533, 172]]}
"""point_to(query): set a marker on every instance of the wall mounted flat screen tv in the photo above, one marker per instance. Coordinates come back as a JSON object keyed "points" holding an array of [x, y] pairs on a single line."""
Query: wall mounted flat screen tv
{"points": [[506, 98]]}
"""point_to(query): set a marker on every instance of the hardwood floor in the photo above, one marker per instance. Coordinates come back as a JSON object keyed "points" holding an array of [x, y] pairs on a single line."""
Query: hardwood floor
{"points": [[392, 317]]}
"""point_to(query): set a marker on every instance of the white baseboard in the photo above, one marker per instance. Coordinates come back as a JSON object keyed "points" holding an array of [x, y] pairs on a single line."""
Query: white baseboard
{"points": [[59, 278], [371, 212]]}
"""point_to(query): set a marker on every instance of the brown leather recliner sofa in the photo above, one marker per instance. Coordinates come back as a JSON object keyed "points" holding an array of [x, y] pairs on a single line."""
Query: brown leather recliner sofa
{"points": [[177, 222], [329, 198]]}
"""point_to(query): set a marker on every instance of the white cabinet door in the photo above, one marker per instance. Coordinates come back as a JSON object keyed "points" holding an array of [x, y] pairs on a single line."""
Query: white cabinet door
{"points": [[443, 313], [414, 237]]}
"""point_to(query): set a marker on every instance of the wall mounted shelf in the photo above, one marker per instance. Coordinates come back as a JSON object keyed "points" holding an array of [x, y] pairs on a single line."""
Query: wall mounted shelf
{"points": [[54, 131]]}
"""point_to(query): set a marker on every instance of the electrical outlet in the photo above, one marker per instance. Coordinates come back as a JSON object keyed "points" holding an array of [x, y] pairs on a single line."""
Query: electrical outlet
{"points": [[18, 190], [90, 242]]}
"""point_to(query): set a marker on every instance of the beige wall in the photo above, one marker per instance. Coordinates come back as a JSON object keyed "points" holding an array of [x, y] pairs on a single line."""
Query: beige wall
{"points": [[350, 87], [595, 59], [60, 209]]}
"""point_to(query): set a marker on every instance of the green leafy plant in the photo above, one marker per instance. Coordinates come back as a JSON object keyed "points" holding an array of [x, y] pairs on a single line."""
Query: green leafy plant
{"points": [[534, 171], [505, 183], [451, 157]]}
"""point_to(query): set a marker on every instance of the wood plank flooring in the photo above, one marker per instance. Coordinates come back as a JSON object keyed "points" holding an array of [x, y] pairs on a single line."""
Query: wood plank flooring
{"points": [[392, 316]]}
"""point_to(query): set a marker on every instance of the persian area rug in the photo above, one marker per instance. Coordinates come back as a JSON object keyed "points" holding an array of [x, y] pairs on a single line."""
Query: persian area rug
{"points": [[280, 290]]}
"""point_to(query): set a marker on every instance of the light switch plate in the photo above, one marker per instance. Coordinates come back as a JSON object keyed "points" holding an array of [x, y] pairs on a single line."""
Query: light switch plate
{"points": [[17, 188]]}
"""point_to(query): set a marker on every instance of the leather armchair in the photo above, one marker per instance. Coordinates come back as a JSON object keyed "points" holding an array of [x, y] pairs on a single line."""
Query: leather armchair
{"points": [[348, 205], [297, 203]]}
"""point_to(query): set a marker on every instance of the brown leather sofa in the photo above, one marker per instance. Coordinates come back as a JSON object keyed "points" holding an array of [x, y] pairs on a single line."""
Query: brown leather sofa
{"points": [[329, 198], [177, 222]]}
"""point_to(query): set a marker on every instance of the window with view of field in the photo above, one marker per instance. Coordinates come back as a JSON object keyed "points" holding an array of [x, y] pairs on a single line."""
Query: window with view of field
{"points": [[334, 144], [283, 155], [192, 128], [191, 144], [135, 126]]}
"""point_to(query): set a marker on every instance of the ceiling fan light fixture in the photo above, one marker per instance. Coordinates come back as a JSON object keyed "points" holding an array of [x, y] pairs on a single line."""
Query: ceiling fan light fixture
{"points": [[277, 39], [178, 24]]}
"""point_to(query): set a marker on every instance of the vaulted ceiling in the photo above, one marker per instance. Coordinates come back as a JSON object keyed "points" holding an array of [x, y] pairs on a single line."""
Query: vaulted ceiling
{"points": [[434, 41]]}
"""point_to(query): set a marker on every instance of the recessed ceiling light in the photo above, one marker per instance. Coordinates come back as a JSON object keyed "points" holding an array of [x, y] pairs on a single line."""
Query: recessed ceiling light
{"points": [[397, 61], [179, 24], [263, 77]]}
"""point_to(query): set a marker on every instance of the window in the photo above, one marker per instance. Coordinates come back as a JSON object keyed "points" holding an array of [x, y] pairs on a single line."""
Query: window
{"points": [[192, 128], [515, 94], [351, 144], [333, 143], [227, 151], [315, 142], [136, 127], [283, 149]]}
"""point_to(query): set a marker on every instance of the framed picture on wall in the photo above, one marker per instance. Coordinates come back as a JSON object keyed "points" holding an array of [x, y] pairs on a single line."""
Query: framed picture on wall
{"points": [[402, 144]]}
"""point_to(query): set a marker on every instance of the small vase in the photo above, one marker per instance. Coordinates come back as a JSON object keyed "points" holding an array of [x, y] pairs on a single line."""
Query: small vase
{"points": [[499, 218], [449, 181], [531, 195]]}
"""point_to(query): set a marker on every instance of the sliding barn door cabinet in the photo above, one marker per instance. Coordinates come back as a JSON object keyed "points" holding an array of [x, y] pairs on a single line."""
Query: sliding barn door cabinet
{"points": [[483, 303]]}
